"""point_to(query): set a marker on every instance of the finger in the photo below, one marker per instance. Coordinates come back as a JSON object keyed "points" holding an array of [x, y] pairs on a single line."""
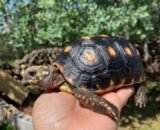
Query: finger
{"points": [[124, 94], [120, 97], [113, 98]]}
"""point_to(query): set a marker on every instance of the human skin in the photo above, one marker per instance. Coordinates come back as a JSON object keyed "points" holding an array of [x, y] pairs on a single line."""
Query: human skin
{"points": [[61, 111]]}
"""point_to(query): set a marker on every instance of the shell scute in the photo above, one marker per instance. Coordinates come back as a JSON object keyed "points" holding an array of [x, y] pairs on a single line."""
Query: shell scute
{"points": [[101, 63]]}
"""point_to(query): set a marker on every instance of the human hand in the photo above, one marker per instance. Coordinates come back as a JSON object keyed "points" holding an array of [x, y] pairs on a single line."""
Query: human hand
{"points": [[61, 111]]}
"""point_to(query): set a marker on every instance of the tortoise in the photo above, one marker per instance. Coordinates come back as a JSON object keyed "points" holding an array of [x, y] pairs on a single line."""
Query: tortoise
{"points": [[92, 66]]}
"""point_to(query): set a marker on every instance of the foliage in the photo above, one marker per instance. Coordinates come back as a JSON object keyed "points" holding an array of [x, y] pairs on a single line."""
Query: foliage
{"points": [[33, 24], [5, 126]]}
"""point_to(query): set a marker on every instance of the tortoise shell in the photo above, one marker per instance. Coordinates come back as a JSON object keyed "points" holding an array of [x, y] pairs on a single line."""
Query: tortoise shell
{"points": [[101, 63]]}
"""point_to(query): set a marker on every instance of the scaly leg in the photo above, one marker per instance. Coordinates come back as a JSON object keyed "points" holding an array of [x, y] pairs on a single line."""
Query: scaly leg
{"points": [[96, 103]]}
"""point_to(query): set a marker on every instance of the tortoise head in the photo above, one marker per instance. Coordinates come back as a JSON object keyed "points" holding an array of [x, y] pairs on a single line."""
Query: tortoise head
{"points": [[39, 75]]}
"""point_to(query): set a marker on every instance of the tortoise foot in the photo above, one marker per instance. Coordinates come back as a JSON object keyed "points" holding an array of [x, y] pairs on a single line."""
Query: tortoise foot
{"points": [[140, 97], [96, 103]]}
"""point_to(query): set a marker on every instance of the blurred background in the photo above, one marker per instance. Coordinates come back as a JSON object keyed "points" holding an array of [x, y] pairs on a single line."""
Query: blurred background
{"points": [[34, 32]]}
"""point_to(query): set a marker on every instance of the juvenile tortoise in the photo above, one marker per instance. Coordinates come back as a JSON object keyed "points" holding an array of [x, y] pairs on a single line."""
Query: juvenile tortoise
{"points": [[93, 66]]}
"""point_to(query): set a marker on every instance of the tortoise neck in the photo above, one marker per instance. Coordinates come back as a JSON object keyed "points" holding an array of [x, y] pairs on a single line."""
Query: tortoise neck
{"points": [[54, 79], [57, 78]]}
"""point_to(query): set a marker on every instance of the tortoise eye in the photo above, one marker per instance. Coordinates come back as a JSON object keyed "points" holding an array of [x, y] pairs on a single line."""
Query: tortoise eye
{"points": [[32, 73]]}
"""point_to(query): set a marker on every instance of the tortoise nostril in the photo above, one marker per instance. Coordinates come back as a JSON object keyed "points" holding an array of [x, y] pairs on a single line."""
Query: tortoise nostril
{"points": [[32, 73]]}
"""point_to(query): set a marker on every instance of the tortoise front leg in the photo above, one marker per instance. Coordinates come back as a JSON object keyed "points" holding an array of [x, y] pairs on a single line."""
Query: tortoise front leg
{"points": [[96, 103], [65, 88]]}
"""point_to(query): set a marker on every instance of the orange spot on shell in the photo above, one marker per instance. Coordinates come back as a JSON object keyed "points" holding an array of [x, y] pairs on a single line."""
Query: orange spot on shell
{"points": [[98, 86], [123, 81], [103, 35], [128, 51], [86, 38], [67, 49], [100, 91], [132, 81], [111, 51], [111, 82], [89, 56]]}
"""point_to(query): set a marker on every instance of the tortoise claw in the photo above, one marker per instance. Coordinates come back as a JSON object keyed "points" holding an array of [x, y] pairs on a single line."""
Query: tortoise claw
{"points": [[140, 97]]}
